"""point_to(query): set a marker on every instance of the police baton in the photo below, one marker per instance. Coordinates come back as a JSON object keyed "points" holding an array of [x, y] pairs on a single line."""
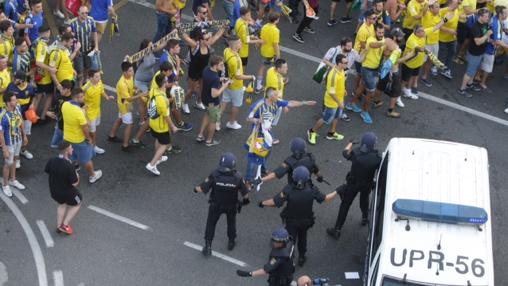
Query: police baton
{"points": [[326, 182]]}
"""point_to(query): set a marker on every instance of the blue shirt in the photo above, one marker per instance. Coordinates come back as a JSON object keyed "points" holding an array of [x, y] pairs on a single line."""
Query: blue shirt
{"points": [[83, 31], [24, 96], [497, 35], [11, 10], [37, 21], [261, 110], [99, 11], [10, 123]]}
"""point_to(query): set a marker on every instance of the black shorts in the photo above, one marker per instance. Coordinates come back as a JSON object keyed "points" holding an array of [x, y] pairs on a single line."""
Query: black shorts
{"points": [[163, 137], [245, 61], [47, 89], [408, 72], [268, 61], [390, 86], [71, 198], [463, 32]]}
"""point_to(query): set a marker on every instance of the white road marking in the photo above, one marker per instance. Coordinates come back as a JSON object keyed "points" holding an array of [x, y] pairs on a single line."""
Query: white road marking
{"points": [[32, 241], [4, 277], [352, 275], [119, 217], [45, 233], [318, 60], [58, 278], [81, 284], [216, 254], [22, 199]]}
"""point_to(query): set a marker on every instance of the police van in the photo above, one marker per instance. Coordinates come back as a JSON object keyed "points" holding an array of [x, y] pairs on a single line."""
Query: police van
{"points": [[430, 216]]}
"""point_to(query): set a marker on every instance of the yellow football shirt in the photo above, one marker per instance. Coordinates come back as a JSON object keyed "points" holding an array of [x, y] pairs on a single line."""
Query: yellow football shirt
{"points": [[364, 32], [5, 79], [466, 3], [451, 24], [414, 8], [159, 124], [42, 56], [6, 49], [429, 21], [60, 59], [275, 80], [93, 96], [124, 90], [336, 85], [233, 63], [242, 31], [413, 42], [373, 57], [74, 118], [270, 34]]}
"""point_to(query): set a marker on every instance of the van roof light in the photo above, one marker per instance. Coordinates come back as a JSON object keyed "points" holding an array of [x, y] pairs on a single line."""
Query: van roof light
{"points": [[439, 212]]}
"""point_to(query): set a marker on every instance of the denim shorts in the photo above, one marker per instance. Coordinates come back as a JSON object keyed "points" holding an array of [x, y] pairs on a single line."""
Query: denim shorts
{"points": [[369, 77], [83, 152], [329, 114], [473, 64], [142, 85]]}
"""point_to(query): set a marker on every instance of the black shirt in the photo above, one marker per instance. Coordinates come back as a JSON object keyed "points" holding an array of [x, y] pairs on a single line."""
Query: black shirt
{"points": [[477, 31], [225, 187], [57, 109], [299, 202], [363, 167], [211, 80], [292, 162], [61, 176]]}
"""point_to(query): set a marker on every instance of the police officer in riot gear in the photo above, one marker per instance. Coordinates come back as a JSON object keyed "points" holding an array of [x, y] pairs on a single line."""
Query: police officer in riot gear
{"points": [[280, 266], [225, 183], [360, 179], [298, 215], [299, 157]]}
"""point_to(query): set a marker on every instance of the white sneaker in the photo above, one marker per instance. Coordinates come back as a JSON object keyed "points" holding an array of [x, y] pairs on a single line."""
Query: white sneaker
{"points": [[7, 191], [17, 185], [59, 14], [27, 155], [99, 150], [93, 179], [399, 102], [233, 125], [217, 126], [506, 110], [18, 164], [152, 169], [200, 105], [406, 92], [162, 160], [185, 108]]}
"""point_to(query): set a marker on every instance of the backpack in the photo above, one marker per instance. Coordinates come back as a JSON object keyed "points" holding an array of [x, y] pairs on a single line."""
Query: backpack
{"points": [[153, 113]]}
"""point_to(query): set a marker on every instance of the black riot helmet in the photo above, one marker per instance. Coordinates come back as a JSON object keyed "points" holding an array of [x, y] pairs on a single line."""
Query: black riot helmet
{"points": [[298, 147], [227, 162], [300, 176]]}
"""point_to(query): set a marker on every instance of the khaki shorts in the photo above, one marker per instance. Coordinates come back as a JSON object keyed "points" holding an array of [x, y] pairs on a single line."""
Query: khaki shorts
{"points": [[213, 112], [101, 27]]}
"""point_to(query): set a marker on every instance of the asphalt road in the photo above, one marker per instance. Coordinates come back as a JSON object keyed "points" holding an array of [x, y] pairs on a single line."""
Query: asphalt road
{"points": [[170, 217]]}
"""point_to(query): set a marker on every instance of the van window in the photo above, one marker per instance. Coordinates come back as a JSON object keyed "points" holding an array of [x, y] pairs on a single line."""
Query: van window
{"points": [[380, 202], [387, 281]]}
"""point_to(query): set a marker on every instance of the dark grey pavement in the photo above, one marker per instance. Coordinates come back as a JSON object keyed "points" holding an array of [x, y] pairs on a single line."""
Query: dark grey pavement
{"points": [[104, 251]]}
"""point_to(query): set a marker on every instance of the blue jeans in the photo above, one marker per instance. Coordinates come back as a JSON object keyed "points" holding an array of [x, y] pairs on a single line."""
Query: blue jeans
{"points": [[253, 163], [446, 52], [57, 138], [229, 8], [163, 26]]}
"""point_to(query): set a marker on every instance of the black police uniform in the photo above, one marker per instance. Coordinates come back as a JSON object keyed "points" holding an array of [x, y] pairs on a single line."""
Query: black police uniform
{"points": [[292, 162], [298, 215], [360, 179], [280, 266], [225, 186]]}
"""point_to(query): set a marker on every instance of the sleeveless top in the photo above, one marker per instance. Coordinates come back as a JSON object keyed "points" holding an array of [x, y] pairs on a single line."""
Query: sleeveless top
{"points": [[198, 62]]}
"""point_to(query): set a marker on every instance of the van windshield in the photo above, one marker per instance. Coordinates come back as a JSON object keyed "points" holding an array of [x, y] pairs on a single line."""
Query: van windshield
{"points": [[387, 281]]}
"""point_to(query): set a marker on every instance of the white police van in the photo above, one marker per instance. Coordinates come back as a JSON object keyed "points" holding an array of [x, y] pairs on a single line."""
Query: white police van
{"points": [[430, 216]]}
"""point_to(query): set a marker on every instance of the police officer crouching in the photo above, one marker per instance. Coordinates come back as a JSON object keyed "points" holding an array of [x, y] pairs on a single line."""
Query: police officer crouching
{"points": [[299, 157], [298, 215], [360, 179], [225, 183], [280, 266]]}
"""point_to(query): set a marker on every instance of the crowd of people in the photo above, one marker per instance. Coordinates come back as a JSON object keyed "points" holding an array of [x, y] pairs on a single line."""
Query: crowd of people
{"points": [[398, 45]]}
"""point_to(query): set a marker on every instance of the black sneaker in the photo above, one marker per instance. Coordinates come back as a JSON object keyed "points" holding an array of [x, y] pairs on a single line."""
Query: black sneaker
{"points": [[331, 23], [207, 250], [127, 149], [345, 118], [345, 20], [334, 233], [464, 93], [212, 143], [473, 87], [301, 260], [231, 244], [185, 127], [426, 82], [309, 30], [135, 143], [175, 149], [298, 38], [114, 139]]}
